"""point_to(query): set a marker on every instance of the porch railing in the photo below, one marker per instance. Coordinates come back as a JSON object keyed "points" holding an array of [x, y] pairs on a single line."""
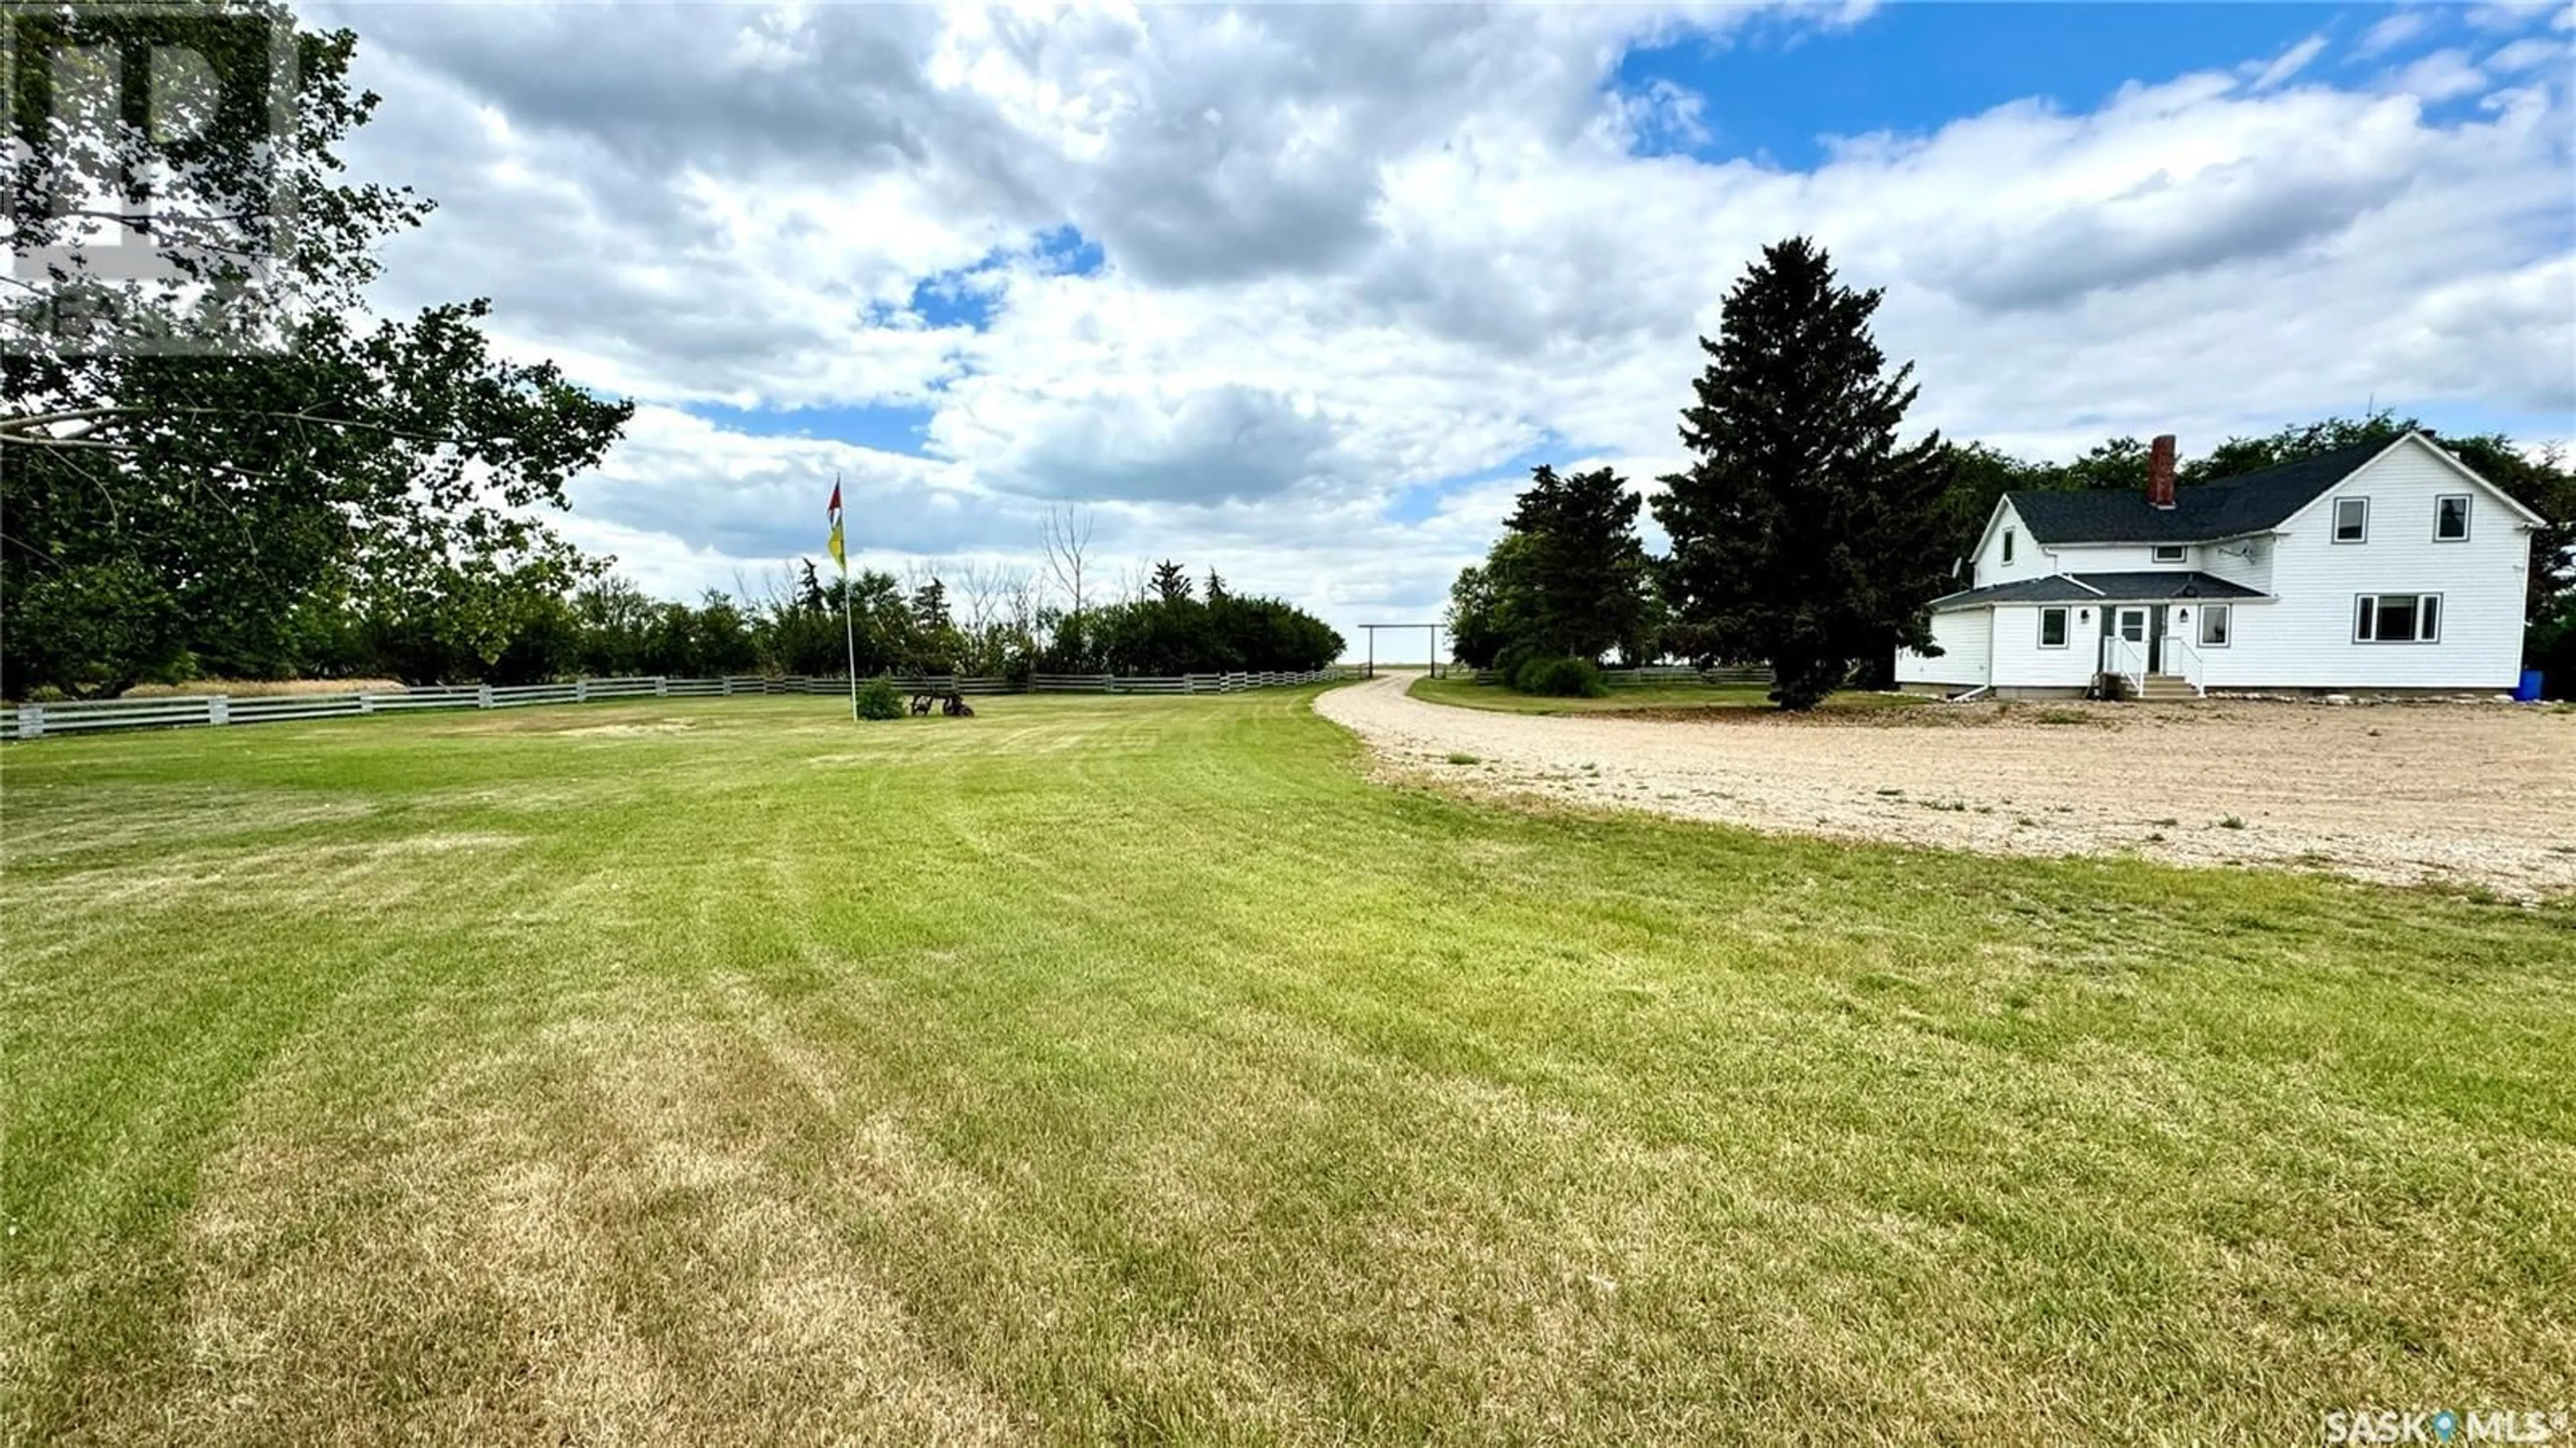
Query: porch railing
{"points": [[2125, 659], [2195, 667]]}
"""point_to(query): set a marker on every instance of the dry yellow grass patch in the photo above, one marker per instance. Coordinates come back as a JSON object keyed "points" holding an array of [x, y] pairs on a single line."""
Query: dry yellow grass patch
{"points": [[590, 1234], [636, 729]]}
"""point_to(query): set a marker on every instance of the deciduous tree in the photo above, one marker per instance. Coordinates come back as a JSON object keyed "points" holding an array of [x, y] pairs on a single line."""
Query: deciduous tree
{"points": [[237, 453]]}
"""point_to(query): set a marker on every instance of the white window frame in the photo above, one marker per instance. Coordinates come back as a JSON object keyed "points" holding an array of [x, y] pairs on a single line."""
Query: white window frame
{"points": [[2200, 634], [2468, 510], [2008, 545], [2065, 627], [2365, 618], [2335, 529], [2181, 553]]}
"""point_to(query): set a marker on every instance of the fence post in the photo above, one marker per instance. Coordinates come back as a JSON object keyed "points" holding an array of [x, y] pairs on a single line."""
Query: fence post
{"points": [[31, 721], [366, 702], [728, 686], [661, 686], [219, 710], [482, 696], [581, 691]]}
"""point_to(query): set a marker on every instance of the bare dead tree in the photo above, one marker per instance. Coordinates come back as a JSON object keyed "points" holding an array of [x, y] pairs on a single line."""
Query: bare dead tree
{"points": [[1065, 536], [1020, 603], [982, 591], [1135, 581]]}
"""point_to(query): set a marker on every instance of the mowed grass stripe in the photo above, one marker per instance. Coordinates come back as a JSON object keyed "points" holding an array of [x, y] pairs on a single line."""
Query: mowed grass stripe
{"points": [[1133, 1069]]}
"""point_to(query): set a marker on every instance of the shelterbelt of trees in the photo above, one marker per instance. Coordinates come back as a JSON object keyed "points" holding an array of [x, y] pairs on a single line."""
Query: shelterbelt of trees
{"points": [[609, 627], [1807, 536]]}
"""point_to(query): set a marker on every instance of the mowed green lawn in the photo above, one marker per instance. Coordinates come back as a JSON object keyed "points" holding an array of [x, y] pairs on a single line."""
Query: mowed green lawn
{"points": [[1660, 698], [1134, 1070]]}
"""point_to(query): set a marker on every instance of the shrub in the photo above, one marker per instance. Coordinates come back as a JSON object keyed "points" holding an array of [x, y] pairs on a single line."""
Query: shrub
{"points": [[878, 700], [1560, 678]]}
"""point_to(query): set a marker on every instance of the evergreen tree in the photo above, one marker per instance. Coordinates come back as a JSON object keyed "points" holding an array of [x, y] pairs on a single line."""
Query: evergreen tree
{"points": [[1171, 582], [1215, 589], [1580, 575], [930, 607], [1803, 533]]}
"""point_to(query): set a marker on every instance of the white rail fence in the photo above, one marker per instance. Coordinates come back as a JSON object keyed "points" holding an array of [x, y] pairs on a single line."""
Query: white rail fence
{"points": [[38, 721], [1181, 683]]}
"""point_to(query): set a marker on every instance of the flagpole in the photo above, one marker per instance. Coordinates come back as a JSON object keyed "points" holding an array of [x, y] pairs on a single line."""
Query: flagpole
{"points": [[849, 634]]}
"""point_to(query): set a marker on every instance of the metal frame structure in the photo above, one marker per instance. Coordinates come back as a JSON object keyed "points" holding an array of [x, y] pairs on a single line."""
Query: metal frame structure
{"points": [[1432, 629]]}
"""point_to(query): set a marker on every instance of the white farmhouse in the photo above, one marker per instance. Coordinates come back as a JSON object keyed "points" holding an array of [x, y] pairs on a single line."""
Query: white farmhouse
{"points": [[2384, 568]]}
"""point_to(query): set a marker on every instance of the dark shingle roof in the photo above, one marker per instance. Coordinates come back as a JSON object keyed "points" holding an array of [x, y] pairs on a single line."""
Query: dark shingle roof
{"points": [[2155, 587], [2221, 508]]}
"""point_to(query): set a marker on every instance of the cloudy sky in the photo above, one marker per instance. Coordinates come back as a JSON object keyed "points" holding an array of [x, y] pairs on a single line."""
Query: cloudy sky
{"points": [[1301, 293]]}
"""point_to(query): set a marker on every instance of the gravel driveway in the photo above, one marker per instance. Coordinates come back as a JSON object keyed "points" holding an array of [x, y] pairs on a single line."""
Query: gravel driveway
{"points": [[2475, 794]]}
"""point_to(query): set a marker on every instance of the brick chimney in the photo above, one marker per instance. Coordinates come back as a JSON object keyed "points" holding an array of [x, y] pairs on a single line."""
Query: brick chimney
{"points": [[2160, 472]]}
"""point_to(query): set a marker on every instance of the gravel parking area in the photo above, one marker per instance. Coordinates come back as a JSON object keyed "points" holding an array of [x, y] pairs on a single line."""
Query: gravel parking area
{"points": [[2476, 794]]}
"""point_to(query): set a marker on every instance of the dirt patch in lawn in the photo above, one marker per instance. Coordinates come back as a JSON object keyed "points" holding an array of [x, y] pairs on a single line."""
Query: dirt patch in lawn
{"points": [[2478, 795]]}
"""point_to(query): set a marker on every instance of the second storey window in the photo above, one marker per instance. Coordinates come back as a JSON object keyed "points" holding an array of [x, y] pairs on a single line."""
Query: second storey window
{"points": [[2352, 520], [2169, 553], [2008, 540], [2451, 518], [2397, 618]]}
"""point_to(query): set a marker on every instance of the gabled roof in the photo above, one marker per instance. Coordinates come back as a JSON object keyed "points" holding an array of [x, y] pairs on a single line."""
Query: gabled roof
{"points": [[2161, 586], [2253, 502]]}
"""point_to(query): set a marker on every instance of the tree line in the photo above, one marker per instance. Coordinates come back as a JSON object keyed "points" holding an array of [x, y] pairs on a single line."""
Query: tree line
{"points": [[526, 629], [1806, 535]]}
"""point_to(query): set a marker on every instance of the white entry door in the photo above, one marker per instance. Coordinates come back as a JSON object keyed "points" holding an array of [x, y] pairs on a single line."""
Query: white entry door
{"points": [[2129, 626]]}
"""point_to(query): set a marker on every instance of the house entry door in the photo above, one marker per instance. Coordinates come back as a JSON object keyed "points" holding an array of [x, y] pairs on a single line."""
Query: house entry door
{"points": [[2136, 626]]}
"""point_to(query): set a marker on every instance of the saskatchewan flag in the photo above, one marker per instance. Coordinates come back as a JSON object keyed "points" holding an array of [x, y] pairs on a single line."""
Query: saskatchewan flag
{"points": [[832, 510]]}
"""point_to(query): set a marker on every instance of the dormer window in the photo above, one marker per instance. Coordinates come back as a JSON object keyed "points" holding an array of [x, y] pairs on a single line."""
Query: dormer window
{"points": [[2171, 553], [2352, 520], [2008, 542]]}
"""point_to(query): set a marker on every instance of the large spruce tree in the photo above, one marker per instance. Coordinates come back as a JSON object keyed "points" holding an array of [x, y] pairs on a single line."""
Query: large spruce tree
{"points": [[1583, 569], [1568, 578], [1803, 534]]}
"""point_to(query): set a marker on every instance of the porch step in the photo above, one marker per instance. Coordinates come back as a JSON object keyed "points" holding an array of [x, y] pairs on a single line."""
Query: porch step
{"points": [[2161, 689]]}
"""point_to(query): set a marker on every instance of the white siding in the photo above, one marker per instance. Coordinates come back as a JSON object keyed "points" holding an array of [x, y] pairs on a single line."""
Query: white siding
{"points": [[1962, 635], [2020, 662], [2305, 640], [2122, 558], [2239, 560], [2029, 559]]}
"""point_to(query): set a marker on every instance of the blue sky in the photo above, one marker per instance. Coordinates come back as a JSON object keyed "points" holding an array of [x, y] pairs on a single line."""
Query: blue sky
{"points": [[1301, 293], [1773, 95]]}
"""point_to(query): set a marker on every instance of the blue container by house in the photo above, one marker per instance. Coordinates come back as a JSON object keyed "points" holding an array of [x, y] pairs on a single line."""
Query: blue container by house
{"points": [[2528, 691]]}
